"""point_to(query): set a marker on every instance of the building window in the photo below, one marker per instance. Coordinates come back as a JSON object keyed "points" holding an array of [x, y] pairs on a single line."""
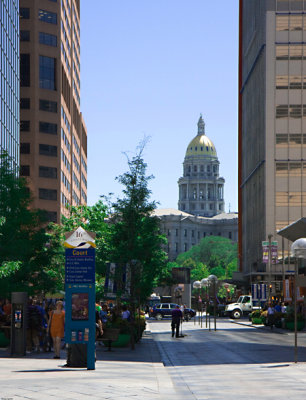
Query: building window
{"points": [[204, 234], [24, 13], [47, 172], [24, 126], [202, 206], [24, 170], [48, 105], [219, 233], [229, 235], [47, 39], [281, 139], [47, 150], [211, 206], [24, 103], [47, 194], [192, 233], [48, 127], [24, 70], [169, 232], [220, 207], [185, 232], [25, 148], [24, 36], [176, 232], [195, 168], [185, 247], [198, 234], [47, 16], [51, 216], [176, 247], [47, 73]]}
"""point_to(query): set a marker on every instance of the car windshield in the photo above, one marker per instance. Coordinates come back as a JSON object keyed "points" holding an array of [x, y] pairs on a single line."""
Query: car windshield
{"points": [[240, 299]]}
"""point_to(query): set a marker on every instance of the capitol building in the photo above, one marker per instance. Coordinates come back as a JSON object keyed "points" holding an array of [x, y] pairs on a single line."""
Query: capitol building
{"points": [[201, 200]]}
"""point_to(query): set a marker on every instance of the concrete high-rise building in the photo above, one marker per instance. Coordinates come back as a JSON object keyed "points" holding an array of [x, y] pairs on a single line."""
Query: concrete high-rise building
{"points": [[201, 189], [53, 142], [272, 130], [9, 79]]}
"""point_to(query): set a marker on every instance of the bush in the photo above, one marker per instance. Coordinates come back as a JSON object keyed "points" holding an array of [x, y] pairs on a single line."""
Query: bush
{"points": [[256, 314]]}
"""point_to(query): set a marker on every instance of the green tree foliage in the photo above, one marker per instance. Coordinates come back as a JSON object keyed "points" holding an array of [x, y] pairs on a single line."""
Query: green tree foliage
{"points": [[23, 236], [213, 255], [135, 237]]}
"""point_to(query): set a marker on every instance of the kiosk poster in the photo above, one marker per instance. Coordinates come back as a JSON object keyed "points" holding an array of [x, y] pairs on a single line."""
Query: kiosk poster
{"points": [[80, 266], [79, 307]]}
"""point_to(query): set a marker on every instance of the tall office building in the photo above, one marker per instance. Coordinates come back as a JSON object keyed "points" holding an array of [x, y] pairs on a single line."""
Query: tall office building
{"points": [[53, 142], [272, 130], [9, 79]]}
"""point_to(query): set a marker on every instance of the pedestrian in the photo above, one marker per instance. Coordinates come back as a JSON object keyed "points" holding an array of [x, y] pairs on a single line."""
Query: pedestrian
{"points": [[125, 313], [34, 326], [177, 316], [56, 327], [271, 315]]}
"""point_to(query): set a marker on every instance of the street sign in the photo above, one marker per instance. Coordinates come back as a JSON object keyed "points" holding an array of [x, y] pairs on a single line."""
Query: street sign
{"points": [[80, 266]]}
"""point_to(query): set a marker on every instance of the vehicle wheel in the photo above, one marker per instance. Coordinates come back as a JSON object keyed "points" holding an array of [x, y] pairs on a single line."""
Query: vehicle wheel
{"points": [[159, 316], [236, 314], [187, 317]]}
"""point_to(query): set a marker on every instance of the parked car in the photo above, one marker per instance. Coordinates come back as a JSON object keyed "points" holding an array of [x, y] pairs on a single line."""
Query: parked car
{"points": [[163, 310]]}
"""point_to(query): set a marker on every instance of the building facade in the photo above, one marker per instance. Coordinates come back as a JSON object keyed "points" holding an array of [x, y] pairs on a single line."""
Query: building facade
{"points": [[201, 200], [9, 79], [53, 136], [272, 130], [201, 190]]}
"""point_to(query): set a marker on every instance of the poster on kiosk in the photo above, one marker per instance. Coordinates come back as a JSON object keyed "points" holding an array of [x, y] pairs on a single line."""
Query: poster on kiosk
{"points": [[80, 322]]}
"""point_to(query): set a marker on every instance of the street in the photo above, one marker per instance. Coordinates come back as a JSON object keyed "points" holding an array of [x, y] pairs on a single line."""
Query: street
{"points": [[235, 362]]}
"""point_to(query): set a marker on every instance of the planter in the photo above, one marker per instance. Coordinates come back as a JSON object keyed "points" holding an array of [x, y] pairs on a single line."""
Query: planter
{"points": [[290, 325], [4, 341], [257, 321], [122, 341]]}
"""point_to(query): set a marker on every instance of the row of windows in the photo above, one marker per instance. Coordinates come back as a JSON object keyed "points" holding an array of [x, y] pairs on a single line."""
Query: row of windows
{"points": [[84, 179], [65, 57], [292, 199], [193, 233], [84, 195], [202, 168], [75, 143], [292, 111], [77, 165], [48, 127], [66, 18], [76, 20], [44, 38], [47, 72], [76, 56], [290, 82], [293, 139], [83, 163], [65, 161], [291, 51], [291, 22], [44, 105], [75, 198], [66, 120], [47, 194], [76, 74], [75, 180], [64, 200], [44, 149], [76, 91], [66, 141], [66, 181], [44, 172], [211, 206], [293, 168], [47, 16], [205, 148], [65, 37], [290, 5]]}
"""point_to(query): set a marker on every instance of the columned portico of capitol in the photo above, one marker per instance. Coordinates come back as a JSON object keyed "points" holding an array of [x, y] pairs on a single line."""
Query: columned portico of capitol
{"points": [[201, 200]]}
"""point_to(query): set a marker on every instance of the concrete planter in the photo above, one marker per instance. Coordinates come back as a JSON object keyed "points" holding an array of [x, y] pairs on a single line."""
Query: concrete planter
{"points": [[257, 321], [290, 325]]}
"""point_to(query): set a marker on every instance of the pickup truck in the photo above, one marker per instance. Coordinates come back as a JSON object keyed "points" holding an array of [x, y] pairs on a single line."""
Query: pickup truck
{"points": [[243, 306]]}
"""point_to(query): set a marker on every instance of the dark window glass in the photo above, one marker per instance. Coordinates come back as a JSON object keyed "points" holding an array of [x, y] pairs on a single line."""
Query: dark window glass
{"points": [[46, 38], [47, 194], [24, 148], [24, 170], [47, 16], [47, 73], [24, 126], [24, 13], [48, 150], [48, 105], [47, 127], [24, 36], [51, 216], [24, 103], [24, 69], [47, 172]]}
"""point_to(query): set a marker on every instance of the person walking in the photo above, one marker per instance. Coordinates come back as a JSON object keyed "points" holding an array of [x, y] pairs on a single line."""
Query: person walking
{"points": [[271, 311], [56, 327], [177, 316]]}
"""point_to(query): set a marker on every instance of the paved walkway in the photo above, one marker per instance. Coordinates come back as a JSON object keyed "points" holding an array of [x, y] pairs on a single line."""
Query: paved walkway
{"points": [[121, 374]]}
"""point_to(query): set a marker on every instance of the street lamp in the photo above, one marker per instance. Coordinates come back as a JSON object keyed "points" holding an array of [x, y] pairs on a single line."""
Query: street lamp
{"points": [[298, 250], [197, 285], [213, 279], [204, 284]]}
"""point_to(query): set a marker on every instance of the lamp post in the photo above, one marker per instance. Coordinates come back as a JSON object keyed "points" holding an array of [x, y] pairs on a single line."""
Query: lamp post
{"points": [[204, 284], [213, 279], [298, 250], [197, 285]]}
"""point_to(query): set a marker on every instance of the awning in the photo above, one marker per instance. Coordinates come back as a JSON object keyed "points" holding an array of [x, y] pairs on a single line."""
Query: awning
{"points": [[294, 231]]}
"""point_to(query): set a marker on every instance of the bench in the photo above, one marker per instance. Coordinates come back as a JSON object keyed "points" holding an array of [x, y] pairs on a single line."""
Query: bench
{"points": [[110, 335]]}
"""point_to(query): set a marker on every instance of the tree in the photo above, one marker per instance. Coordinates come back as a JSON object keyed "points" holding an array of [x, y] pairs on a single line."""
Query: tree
{"points": [[135, 237], [23, 236]]}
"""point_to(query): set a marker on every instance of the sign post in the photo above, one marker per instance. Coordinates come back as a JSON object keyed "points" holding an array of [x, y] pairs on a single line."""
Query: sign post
{"points": [[80, 324]]}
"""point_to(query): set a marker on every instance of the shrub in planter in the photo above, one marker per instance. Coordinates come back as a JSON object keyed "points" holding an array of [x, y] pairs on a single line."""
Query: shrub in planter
{"points": [[263, 316], [289, 321]]}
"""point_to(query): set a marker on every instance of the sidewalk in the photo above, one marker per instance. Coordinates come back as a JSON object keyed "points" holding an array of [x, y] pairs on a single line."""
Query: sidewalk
{"points": [[121, 374]]}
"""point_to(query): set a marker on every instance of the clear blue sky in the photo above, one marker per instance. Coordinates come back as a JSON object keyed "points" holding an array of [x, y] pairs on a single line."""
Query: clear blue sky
{"points": [[150, 67]]}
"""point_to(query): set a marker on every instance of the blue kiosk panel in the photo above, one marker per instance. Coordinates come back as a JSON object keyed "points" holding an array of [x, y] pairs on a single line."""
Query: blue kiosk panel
{"points": [[80, 326]]}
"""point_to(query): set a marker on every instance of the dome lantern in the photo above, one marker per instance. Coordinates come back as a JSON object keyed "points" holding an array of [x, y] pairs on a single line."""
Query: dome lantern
{"points": [[201, 126]]}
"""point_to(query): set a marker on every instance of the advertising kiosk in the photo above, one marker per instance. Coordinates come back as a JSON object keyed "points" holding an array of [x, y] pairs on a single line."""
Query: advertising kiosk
{"points": [[19, 323], [80, 322]]}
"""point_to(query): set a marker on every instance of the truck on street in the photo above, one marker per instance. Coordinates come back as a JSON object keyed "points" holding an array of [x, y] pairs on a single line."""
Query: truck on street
{"points": [[243, 306]]}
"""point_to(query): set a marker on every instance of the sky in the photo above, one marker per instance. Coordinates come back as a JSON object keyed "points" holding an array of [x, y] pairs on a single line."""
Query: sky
{"points": [[149, 68]]}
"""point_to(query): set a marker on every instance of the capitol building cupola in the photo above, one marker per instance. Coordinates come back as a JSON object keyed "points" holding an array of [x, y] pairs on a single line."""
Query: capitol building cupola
{"points": [[201, 190]]}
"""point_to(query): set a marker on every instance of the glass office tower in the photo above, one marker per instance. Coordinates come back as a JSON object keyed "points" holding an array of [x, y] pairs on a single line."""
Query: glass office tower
{"points": [[9, 78]]}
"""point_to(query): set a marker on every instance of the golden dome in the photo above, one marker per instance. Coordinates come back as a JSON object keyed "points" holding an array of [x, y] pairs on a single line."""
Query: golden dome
{"points": [[201, 145]]}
